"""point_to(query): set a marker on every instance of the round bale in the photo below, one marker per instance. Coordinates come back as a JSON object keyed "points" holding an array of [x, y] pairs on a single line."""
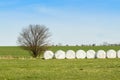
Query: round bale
{"points": [[80, 54], [91, 54], [101, 54], [111, 54], [60, 54], [70, 54], [118, 53], [48, 55]]}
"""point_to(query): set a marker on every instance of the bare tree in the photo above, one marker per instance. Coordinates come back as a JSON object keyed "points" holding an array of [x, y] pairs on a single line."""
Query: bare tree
{"points": [[34, 39]]}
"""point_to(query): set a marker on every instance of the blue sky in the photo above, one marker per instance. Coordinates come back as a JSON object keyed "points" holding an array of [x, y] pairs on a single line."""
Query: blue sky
{"points": [[70, 21]]}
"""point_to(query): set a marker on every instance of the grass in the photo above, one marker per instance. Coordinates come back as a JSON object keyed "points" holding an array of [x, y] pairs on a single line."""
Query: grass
{"points": [[75, 48], [18, 52], [76, 69], [13, 51]]}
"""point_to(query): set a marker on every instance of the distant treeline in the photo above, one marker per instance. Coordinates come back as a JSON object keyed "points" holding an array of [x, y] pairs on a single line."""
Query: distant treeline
{"points": [[90, 45]]}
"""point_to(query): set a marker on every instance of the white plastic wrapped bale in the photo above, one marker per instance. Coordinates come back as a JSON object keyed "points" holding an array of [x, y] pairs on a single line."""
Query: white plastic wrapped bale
{"points": [[60, 54], [48, 55], [101, 54], [118, 54], [111, 54], [70, 54], [91, 54], [80, 54]]}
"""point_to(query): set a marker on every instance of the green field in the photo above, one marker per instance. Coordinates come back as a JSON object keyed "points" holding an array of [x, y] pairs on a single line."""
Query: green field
{"points": [[28, 68], [18, 52], [76, 69], [75, 48]]}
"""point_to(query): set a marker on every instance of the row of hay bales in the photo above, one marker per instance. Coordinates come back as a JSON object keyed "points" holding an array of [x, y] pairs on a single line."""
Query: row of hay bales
{"points": [[81, 54]]}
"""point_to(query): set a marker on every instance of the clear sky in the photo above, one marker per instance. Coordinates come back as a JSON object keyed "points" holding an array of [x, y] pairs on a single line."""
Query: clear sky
{"points": [[70, 21]]}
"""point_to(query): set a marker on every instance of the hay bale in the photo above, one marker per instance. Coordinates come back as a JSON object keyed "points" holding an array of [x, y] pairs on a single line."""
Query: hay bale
{"points": [[101, 54], [118, 53], [111, 54], [60, 54], [80, 54], [48, 55], [91, 54], [70, 54]]}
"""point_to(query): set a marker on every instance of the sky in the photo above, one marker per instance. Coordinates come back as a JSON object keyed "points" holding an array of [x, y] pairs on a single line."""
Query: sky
{"points": [[72, 22]]}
